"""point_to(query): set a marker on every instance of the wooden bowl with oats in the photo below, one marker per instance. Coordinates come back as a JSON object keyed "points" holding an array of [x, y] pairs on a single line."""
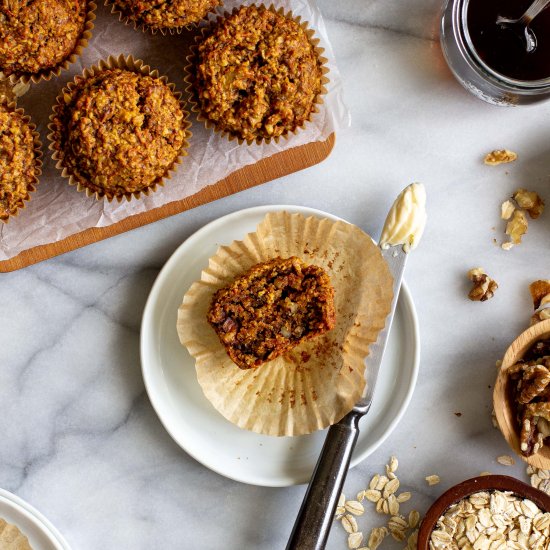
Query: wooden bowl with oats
{"points": [[521, 397], [484, 496]]}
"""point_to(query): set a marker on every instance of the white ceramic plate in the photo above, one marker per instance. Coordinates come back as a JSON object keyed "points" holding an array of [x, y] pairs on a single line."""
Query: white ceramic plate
{"points": [[171, 382], [41, 533]]}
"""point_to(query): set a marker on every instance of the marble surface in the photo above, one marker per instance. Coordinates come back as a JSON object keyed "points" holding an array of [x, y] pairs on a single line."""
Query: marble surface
{"points": [[79, 438]]}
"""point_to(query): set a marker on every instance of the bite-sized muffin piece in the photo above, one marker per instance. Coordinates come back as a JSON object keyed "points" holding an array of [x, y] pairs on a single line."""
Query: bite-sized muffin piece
{"points": [[271, 309], [18, 163], [119, 131], [256, 74], [36, 35], [165, 14]]}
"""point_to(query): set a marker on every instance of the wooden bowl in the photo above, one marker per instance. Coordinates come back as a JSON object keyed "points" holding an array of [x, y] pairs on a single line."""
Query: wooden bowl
{"points": [[469, 487], [504, 407]]}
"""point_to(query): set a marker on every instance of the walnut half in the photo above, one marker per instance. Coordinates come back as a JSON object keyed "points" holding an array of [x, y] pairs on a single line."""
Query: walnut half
{"points": [[500, 156], [484, 287]]}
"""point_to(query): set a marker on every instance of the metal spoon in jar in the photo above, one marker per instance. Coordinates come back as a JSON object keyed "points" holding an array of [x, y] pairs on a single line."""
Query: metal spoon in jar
{"points": [[521, 25]]}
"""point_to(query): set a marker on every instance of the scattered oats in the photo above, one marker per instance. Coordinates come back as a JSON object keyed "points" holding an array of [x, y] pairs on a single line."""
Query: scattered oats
{"points": [[349, 523], [499, 156], [355, 540], [376, 537], [354, 507], [373, 495], [394, 464], [340, 511], [374, 482], [381, 483], [433, 479], [379, 506], [390, 488], [403, 497], [385, 507], [361, 496], [397, 522], [507, 246], [393, 505], [412, 541], [506, 460], [485, 473], [414, 519], [342, 500]]}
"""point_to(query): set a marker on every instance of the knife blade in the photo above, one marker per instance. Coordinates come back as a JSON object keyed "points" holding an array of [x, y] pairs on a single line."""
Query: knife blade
{"points": [[402, 231], [396, 258]]}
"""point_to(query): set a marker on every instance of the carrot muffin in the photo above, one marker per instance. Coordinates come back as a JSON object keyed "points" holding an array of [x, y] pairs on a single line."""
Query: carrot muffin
{"points": [[37, 35], [165, 14], [271, 309], [119, 132], [256, 74], [18, 164]]}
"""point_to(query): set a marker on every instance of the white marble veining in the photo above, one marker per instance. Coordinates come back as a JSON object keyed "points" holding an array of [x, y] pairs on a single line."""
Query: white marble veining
{"points": [[79, 438]]}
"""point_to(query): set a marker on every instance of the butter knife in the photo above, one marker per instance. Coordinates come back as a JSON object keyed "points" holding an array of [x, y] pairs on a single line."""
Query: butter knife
{"points": [[402, 231]]}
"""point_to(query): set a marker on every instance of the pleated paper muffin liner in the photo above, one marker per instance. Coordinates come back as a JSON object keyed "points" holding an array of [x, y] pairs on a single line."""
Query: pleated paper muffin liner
{"points": [[190, 75], [144, 27], [11, 538], [31, 187], [47, 74], [130, 64], [319, 381]]}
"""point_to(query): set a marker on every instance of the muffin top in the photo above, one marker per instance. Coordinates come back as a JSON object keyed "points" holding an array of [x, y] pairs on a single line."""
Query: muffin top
{"points": [[166, 14], [36, 35], [18, 169], [120, 131], [257, 74]]}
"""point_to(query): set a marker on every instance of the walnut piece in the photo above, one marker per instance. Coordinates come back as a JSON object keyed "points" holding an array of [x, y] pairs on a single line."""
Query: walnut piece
{"points": [[507, 209], [534, 382], [529, 382], [500, 156], [517, 226], [530, 201], [484, 287]]}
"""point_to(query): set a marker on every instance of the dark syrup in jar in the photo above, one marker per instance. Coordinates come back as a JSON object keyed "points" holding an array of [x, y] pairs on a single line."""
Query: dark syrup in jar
{"points": [[503, 50]]}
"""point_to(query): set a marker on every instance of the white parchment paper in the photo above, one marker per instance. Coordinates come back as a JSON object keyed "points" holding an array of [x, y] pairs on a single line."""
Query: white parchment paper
{"points": [[56, 210]]}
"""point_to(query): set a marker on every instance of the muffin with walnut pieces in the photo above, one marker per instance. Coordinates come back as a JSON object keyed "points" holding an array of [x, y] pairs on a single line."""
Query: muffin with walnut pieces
{"points": [[19, 160], [164, 14], [272, 308], [36, 36], [118, 132], [256, 74]]}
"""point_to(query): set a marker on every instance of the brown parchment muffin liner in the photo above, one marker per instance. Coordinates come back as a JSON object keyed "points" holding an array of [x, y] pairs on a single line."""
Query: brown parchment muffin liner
{"points": [[130, 64], [319, 381], [11, 538], [47, 74], [190, 74], [11, 106], [137, 25]]}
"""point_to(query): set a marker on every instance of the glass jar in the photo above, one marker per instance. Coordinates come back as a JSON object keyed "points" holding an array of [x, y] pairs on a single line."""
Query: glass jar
{"points": [[473, 73]]}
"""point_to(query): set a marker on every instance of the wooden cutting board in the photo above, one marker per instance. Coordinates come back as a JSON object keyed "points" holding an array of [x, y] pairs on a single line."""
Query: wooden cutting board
{"points": [[276, 166]]}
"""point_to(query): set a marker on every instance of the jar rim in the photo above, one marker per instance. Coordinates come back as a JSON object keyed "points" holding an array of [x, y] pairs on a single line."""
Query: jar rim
{"points": [[524, 84]]}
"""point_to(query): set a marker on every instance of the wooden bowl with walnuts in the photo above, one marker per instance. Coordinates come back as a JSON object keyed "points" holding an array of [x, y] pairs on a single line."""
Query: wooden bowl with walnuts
{"points": [[521, 396]]}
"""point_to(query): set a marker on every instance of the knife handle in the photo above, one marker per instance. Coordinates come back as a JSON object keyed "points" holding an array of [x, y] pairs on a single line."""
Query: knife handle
{"points": [[312, 526]]}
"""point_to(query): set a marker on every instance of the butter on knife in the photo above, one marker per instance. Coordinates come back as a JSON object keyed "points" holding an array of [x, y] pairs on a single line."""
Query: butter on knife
{"points": [[406, 219]]}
